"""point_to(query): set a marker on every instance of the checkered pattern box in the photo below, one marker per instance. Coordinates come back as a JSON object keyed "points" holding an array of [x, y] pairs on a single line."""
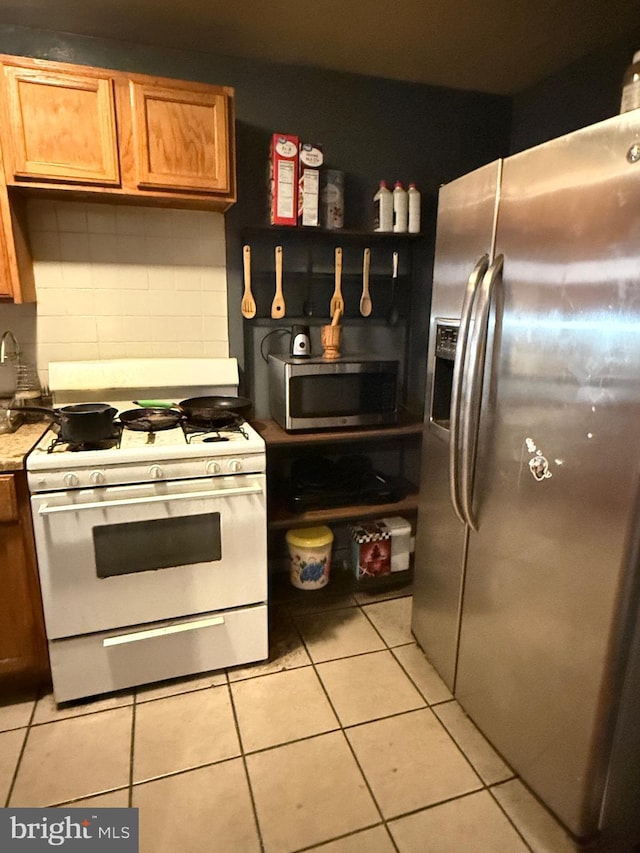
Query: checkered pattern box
{"points": [[370, 549]]}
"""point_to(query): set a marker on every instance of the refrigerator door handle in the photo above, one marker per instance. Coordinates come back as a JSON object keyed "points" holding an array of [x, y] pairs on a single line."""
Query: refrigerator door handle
{"points": [[459, 371], [470, 414]]}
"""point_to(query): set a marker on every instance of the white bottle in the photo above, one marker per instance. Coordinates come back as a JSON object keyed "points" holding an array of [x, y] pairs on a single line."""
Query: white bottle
{"points": [[400, 209], [414, 210], [631, 85], [384, 208]]}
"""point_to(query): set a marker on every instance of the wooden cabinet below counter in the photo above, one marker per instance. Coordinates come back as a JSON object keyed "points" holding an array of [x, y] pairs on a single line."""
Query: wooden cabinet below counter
{"points": [[23, 648]]}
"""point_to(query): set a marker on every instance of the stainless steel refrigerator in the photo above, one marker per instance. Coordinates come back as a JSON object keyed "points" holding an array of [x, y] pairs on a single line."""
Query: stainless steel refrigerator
{"points": [[527, 564]]}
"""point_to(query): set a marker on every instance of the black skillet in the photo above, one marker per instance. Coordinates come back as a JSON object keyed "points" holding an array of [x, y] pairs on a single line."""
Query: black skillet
{"points": [[209, 411], [150, 419]]}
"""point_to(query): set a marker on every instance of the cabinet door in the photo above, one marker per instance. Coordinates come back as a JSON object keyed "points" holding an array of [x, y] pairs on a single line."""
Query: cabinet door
{"points": [[62, 127], [182, 137], [23, 654]]}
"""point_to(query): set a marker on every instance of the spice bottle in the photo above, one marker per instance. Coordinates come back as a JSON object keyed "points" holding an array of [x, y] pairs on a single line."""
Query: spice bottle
{"points": [[400, 209], [384, 208], [631, 86]]}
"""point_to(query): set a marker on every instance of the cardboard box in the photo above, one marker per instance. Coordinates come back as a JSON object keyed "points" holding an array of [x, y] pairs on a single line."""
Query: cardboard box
{"points": [[283, 179], [310, 160], [370, 549], [400, 530]]}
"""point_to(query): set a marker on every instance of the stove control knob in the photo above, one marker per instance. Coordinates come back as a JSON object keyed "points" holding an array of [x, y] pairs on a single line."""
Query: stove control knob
{"points": [[97, 477], [156, 472], [213, 467], [235, 465], [70, 480]]}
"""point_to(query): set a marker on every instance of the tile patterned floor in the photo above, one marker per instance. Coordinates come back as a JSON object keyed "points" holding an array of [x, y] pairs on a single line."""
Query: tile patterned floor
{"points": [[345, 741]]}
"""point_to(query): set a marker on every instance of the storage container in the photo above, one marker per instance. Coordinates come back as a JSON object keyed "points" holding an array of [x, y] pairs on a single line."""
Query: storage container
{"points": [[370, 549], [400, 530], [310, 553]]}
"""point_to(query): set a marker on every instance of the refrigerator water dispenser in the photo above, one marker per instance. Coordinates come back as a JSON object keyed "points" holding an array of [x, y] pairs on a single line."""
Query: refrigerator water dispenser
{"points": [[445, 353]]}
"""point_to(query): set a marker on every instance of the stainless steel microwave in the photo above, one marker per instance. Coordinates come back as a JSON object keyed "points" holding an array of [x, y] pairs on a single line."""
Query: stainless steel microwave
{"points": [[313, 393]]}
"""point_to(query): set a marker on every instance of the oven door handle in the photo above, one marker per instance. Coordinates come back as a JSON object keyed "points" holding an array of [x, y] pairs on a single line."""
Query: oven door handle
{"points": [[45, 509], [121, 639]]}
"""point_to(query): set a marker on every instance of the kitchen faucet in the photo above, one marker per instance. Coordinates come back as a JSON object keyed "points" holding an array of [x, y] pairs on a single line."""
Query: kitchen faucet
{"points": [[12, 356]]}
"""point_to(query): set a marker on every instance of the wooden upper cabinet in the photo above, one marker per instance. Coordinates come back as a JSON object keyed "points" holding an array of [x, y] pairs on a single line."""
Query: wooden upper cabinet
{"points": [[62, 127], [181, 137], [94, 130]]}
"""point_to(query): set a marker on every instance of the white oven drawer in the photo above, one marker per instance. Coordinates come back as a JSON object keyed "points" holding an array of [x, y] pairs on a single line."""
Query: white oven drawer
{"points": [[113, 660]]}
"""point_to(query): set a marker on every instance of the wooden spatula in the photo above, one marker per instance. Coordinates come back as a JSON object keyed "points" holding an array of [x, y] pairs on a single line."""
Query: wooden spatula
{"points": [[365, 300], [278, 307], [248, 306], [337, 302]]}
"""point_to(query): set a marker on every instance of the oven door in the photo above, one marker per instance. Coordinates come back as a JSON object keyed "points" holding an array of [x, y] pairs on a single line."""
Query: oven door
{"points": [[128, 555]]}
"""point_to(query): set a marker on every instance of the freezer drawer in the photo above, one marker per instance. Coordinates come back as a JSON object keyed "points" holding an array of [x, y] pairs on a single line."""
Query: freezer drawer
{"points": [[113, 660]]}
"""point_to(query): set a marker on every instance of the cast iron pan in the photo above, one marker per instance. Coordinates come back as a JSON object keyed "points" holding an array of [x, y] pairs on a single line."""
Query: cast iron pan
{"points": [[204, 410], [151, 419]]}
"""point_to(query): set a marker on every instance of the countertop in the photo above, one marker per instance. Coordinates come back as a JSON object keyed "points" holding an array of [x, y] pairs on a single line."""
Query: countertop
{"points": [[14, 446]]}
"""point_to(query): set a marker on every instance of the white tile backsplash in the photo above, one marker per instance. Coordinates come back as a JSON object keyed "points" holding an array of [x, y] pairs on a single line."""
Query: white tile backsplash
{"points": [[121, 281]]}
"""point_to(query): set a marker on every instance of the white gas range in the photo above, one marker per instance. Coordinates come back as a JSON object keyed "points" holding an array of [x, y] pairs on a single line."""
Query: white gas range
{"points": [[151, 546]]}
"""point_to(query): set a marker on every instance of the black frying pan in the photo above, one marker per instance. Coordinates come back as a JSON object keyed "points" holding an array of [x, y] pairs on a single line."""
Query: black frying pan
{"points": [[150, 419], [204, 410]]}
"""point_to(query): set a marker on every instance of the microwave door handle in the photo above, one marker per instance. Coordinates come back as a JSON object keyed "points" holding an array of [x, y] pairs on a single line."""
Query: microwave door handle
{"points": [[45, 509], [459, 371], [471, 414]]}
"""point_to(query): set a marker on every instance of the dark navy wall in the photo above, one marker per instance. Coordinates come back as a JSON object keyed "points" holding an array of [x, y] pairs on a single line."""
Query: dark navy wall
{"points": [[371, 128], [583, 93]]}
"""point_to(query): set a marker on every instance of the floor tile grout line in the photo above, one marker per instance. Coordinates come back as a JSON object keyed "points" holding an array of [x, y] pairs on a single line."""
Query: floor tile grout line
{"points": [[243, 753], [506, 813], [411, 679], [342, 730], [342, 837], [18, 762], [39, 694], [243, 756], [483, 785]]}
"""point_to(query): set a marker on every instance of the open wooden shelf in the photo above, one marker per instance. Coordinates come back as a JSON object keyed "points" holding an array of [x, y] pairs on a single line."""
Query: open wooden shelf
{"points": [[280, 518], [275, 436]]}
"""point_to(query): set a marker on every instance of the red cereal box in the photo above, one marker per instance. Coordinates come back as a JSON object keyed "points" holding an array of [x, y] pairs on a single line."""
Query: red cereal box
{"points": [[283, 179]]}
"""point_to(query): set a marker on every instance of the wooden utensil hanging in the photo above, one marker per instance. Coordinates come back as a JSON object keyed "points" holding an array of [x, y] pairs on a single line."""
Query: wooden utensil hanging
{"points": [[278, 308], [365, 301], [248, 306], [337, 302]]}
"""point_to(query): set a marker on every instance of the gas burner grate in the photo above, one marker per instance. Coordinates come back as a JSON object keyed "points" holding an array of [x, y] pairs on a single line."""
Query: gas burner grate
{"points": [[212, 429], [80, 446]]}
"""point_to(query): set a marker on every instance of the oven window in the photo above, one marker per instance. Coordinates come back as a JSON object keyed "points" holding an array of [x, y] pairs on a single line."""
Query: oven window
{"points": [[143, 546]]}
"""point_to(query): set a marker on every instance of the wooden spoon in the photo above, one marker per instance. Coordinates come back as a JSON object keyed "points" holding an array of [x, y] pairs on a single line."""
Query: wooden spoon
{"points": [[278, 305], [337, 302], [365, 301], [248, 306]]}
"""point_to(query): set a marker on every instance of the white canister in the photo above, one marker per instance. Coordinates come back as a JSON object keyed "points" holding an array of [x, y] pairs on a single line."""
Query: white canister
{"points": [[310, 554]]}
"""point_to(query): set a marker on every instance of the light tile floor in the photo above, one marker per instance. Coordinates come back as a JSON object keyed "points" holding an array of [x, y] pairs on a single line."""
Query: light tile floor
{"points": [[345, 741]]}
